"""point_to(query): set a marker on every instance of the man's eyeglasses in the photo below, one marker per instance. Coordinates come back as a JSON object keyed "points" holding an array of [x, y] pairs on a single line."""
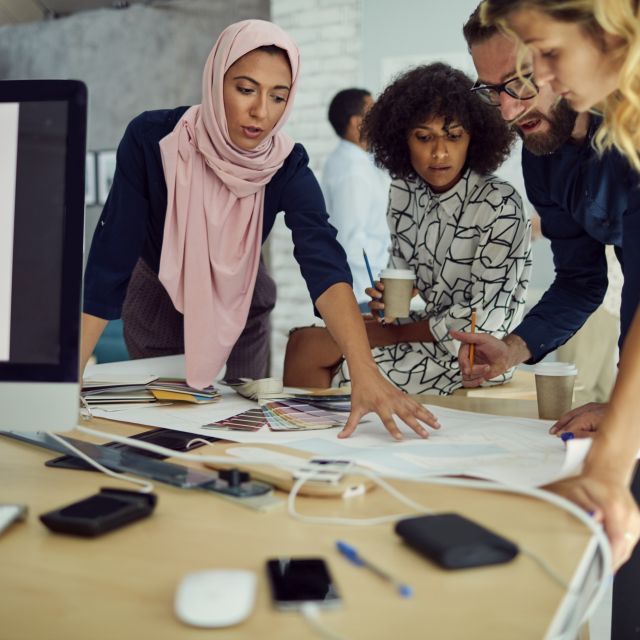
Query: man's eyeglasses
{"points": [[519, 88]]}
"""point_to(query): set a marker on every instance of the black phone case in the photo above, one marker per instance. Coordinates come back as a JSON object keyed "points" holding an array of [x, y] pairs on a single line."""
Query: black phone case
{"points": [[83, 518], [454, 542]]}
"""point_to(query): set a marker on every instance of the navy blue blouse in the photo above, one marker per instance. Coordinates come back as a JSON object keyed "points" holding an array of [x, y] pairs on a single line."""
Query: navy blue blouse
{"points": [[132, 221], [585, 202]]}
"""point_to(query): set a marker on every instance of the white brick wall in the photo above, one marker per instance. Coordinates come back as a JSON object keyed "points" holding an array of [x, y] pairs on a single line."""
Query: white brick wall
{"points": [[329, 35]]}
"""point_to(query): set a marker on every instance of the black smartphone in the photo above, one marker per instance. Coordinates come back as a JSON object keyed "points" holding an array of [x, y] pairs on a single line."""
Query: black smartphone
{"points": [[295, 581]]}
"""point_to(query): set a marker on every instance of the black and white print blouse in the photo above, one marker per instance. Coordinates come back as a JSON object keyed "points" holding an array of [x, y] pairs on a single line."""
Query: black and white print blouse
{"points": [[469, 248]]}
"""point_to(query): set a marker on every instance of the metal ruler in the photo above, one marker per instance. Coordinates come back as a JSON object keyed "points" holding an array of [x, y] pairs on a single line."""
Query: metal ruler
{"points": [[251, 493]]}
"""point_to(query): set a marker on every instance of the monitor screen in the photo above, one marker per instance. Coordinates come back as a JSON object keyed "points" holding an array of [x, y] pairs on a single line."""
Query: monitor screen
{"points": [[42, 161]]}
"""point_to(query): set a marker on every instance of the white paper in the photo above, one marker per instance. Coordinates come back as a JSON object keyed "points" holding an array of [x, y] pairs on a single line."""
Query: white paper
{"points": [[515, 451]]}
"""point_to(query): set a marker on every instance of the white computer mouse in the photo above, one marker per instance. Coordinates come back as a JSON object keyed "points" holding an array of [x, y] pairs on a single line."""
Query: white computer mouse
{"points": [[215, 597]]}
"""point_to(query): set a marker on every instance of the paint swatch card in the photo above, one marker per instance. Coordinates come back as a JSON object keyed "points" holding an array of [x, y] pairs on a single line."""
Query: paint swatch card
{"points": [[251, 420]]}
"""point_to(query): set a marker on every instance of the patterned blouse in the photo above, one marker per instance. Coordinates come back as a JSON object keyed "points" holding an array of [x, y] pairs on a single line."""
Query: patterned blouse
{"points": [[469, 248]]}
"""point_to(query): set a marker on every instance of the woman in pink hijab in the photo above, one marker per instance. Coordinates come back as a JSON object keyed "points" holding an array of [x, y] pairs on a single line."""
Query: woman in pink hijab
{"points": [[176, 251]]}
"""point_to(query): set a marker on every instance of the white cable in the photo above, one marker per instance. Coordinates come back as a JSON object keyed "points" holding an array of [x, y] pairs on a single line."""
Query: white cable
{"points": [[85, 412], [147, 487], [311, 613], [293, 493], [172, 453]]}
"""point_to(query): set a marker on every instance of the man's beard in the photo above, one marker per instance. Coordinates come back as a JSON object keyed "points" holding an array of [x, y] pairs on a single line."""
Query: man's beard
{"points": [[561, 119]]}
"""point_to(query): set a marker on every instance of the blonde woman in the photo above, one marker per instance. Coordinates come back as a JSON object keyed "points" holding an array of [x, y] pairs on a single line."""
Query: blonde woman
{"points": [[588, 51]]}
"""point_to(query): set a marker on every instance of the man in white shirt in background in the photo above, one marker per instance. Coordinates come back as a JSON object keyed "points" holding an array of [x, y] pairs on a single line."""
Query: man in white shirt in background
{"points": [[356, 192]]}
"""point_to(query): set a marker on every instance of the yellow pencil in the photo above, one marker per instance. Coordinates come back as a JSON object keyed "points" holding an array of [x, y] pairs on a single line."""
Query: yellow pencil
{"points": [[472, 347]]}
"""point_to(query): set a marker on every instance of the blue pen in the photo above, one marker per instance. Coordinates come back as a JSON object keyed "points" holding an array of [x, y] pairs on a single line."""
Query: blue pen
{"points": [[373, 283], [567, 435], [353, 556]]}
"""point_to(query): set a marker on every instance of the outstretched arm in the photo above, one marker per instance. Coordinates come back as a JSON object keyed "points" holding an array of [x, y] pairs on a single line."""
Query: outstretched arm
{"points": [[370, 391], [603, 485], [92, 328]]}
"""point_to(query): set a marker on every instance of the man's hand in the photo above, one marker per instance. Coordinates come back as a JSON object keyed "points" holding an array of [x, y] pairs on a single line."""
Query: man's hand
{"points": [[612, 504], [372, 392], [490, 360], [582, 421], [492, 356]]}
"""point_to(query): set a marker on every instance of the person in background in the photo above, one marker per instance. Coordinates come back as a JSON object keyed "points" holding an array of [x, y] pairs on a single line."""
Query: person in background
{"points": [[356, 191], [461, 229], [195, 194], [587, 51]]}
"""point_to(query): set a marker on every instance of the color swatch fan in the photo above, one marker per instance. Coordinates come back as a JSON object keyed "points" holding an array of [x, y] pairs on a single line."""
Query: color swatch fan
{"points": [[296, 415]]}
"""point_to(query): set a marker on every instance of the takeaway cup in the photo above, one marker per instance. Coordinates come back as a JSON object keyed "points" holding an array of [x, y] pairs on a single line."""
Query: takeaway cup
{"points": [[554, 388], [398, 287]]}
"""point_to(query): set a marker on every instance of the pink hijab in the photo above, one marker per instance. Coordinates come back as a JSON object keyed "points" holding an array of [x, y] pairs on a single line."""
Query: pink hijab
{"points": [[215, 199]]}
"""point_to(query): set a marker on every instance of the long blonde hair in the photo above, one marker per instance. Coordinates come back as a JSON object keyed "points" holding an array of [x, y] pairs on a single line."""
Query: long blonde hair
{"points": [[621, 109]]}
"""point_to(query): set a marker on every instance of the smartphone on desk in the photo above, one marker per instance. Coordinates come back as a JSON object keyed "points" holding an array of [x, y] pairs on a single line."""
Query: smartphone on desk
{"points": [[295, 581]]}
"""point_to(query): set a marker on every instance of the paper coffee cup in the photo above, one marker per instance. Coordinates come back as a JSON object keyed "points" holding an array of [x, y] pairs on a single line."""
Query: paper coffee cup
{"points": [[554, 388], [398, 287]]}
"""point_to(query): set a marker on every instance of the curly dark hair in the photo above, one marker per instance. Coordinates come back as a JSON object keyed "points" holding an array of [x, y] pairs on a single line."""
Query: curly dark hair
{"points": [[430, 91]]}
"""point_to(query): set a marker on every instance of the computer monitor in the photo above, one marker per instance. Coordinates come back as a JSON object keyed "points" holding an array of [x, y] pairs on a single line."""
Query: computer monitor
{"points": [[42, 165]]}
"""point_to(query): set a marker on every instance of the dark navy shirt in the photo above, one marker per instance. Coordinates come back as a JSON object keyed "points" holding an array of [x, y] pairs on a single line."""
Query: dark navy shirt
{"points": [[132, 221], [585, 201]]}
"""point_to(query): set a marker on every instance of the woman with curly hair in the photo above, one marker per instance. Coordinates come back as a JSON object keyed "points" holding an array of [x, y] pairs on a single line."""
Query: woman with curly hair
{"points": [[461, 229]]}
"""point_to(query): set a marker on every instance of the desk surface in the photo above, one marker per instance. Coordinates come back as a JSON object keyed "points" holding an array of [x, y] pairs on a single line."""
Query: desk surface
{"points": [[122, 585]]}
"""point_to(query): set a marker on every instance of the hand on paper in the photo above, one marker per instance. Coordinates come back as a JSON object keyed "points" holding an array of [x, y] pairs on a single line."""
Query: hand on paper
{"points": [[611, 503], [371, 392], [582, 421]]}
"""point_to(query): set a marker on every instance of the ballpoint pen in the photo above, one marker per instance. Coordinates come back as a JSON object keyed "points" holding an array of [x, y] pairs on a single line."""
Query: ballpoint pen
{"points": [[353, 556], [373, 283]]}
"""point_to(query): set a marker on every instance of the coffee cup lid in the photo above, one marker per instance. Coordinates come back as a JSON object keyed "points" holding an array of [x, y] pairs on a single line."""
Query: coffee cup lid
{"points": [[555, 369], [399, 274]]}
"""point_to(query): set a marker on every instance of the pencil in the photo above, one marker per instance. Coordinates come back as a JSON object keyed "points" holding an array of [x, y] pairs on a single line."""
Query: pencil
{"points": [[472, 347], [373, 283]]}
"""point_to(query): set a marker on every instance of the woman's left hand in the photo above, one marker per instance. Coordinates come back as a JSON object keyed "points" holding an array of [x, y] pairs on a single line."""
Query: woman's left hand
{"points": [[372, 392]]}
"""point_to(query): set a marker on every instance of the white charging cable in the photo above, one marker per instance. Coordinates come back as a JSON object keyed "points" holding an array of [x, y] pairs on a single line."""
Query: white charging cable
{"points": [[311, 613], [147, 487]]}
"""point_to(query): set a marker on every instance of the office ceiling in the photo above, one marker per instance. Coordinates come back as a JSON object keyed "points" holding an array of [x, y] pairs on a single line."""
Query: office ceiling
{"points": [[16, 11]]}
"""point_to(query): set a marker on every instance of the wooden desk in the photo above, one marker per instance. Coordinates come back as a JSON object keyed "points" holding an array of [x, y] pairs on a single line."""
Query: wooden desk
{"points": [[522, 386], [122, 585]]}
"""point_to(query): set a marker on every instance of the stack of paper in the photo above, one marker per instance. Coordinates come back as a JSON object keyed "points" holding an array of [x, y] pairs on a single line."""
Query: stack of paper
{"points": [[143, 389], [168, 389], [117, 390]]}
